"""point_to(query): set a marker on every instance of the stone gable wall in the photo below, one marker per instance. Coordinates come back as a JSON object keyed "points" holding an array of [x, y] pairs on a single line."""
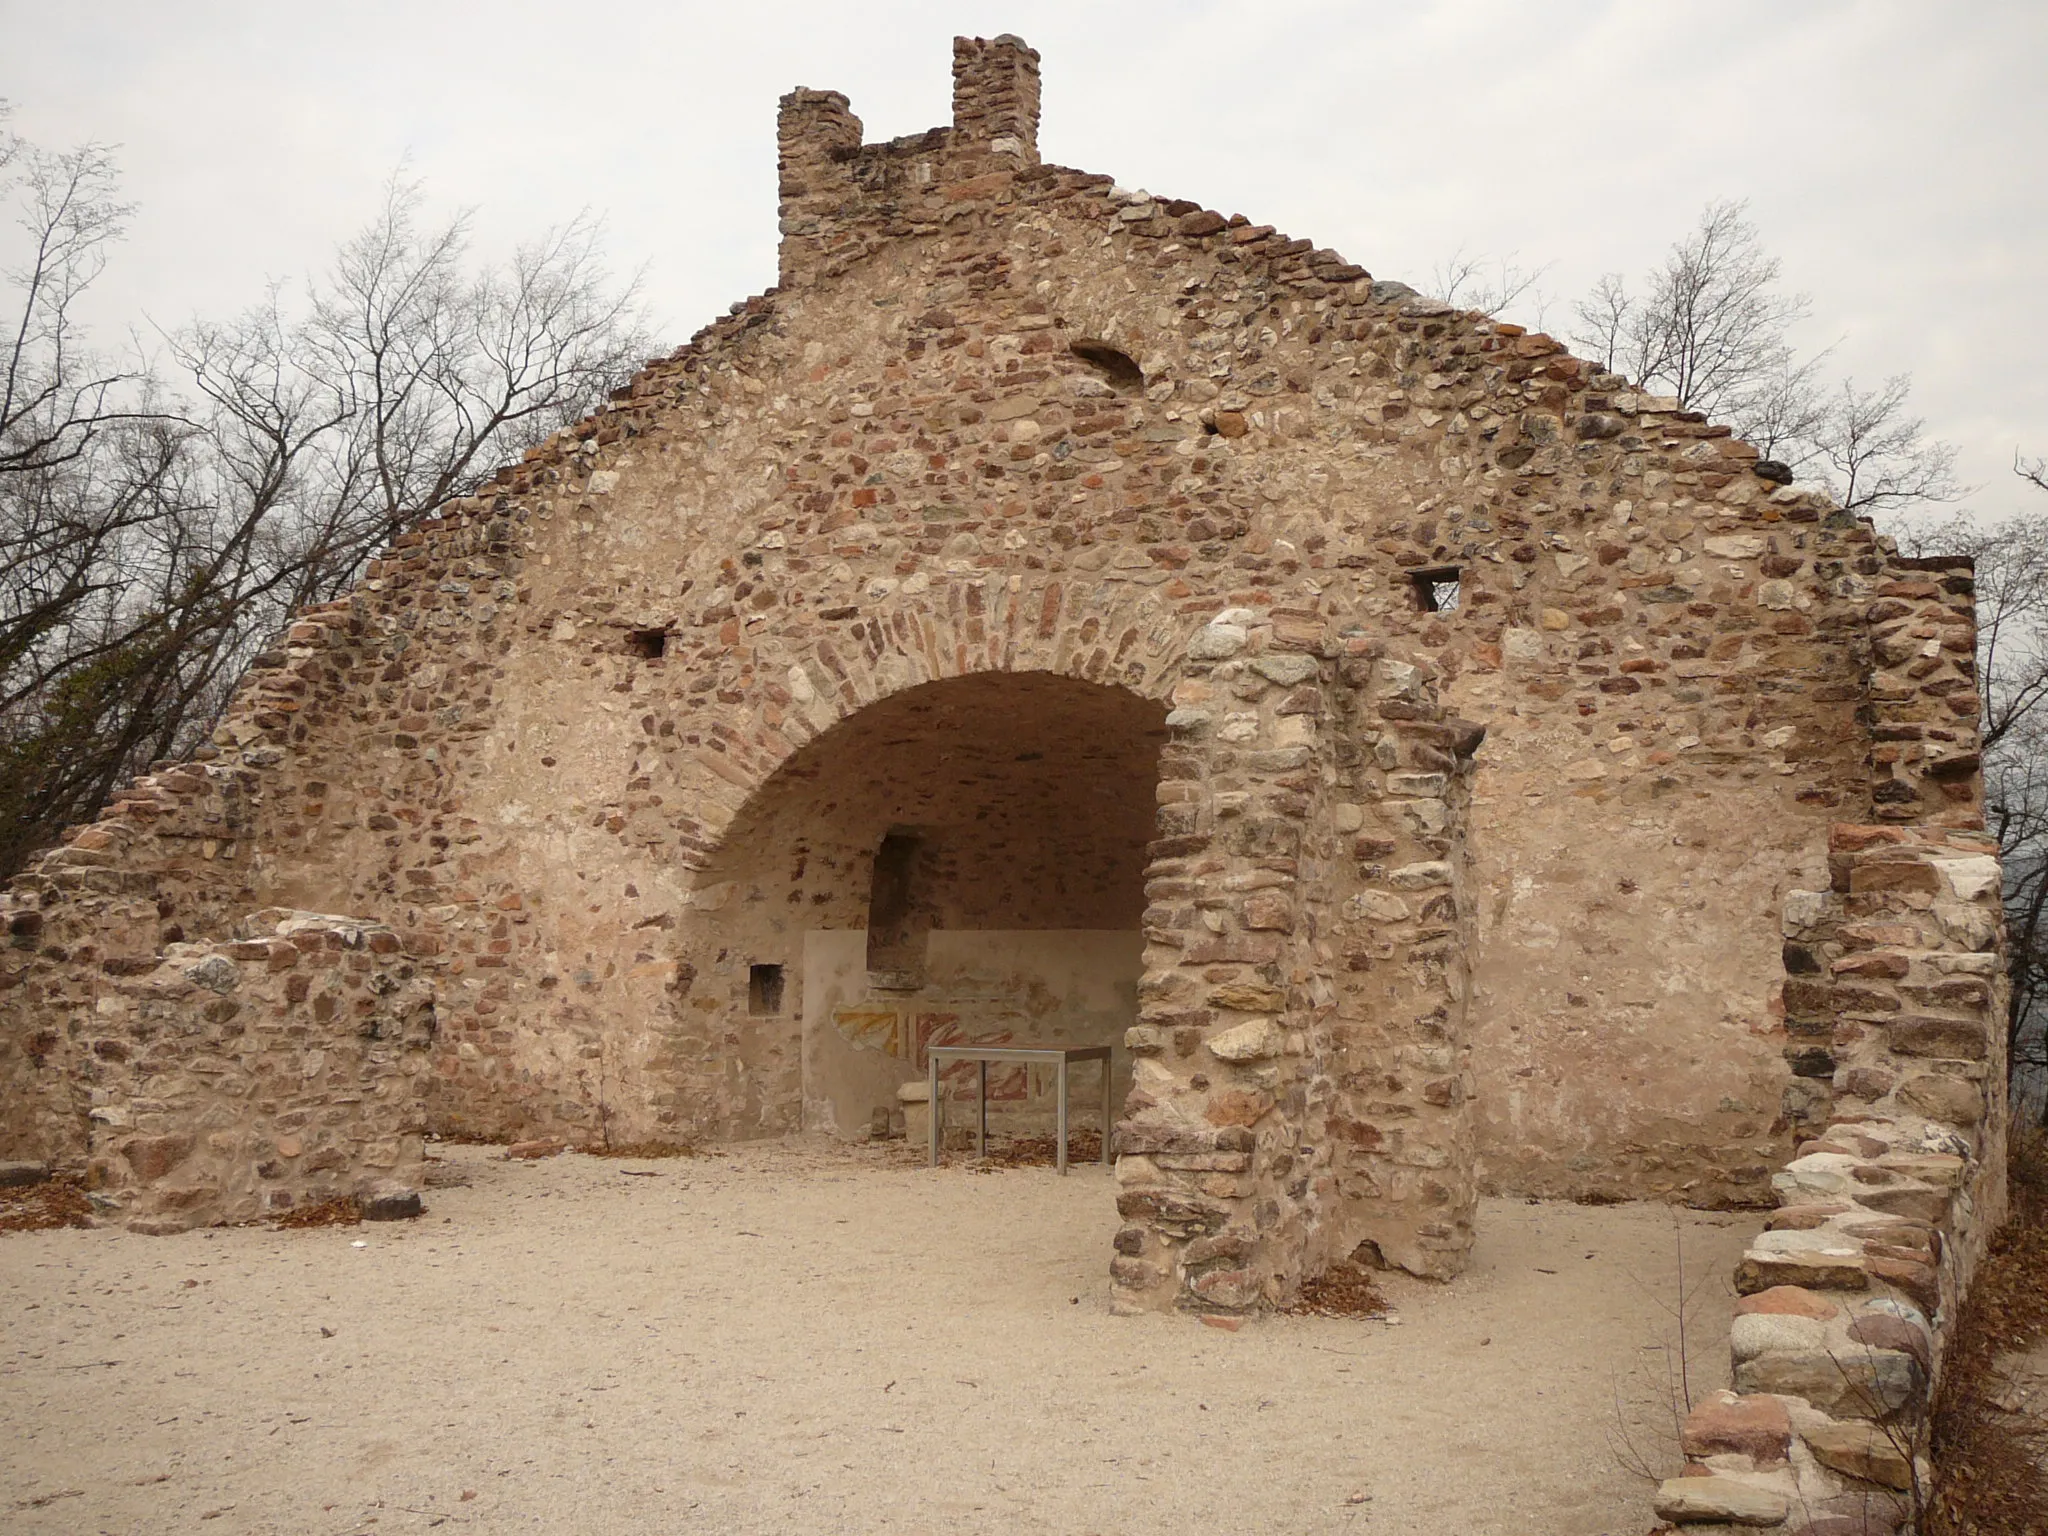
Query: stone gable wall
{"points": [[526, 740]]}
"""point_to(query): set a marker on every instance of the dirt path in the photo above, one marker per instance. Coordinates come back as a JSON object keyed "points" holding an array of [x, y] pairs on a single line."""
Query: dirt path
{"points": [[792, 1338]]}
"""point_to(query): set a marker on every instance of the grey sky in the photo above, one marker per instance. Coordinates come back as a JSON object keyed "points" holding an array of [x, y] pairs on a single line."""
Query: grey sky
{"points": [[1893, 153]]}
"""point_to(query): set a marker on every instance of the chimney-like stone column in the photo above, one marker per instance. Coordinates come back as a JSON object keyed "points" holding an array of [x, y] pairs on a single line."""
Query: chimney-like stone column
{"points": [[995, 96], [816, 139]]}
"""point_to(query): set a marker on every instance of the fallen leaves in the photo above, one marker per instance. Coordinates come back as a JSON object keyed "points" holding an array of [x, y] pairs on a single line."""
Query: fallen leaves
{"points": [[1343, 1290], [41, 1207], [344, 1211]]}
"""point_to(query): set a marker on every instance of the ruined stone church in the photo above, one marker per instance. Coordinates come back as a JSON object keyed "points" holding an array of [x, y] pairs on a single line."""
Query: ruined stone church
{"points": [[1055, 613]]}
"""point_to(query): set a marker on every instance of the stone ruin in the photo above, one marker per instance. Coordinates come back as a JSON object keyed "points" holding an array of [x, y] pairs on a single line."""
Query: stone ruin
{"points": [[1057, 613]]}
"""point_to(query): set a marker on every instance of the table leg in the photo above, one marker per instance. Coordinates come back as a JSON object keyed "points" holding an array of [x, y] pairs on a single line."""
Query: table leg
{"points": [[931, 1104], [981, 1110], [1106, 1116], [1061, 1159]]}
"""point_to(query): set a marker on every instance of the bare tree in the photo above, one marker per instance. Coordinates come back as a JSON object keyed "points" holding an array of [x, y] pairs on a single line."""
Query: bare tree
{"points": [[1711, 326], [2033, 471], [1872, 456], [1488, 284], [87, 465], [156, 538]]}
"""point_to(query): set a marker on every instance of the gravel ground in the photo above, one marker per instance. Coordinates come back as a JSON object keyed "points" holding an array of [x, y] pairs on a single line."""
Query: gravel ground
{"points": [[799, 1337]]}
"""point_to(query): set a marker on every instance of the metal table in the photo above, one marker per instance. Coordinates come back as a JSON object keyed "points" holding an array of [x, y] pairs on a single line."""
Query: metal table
{"points": [[1064, 1055]]}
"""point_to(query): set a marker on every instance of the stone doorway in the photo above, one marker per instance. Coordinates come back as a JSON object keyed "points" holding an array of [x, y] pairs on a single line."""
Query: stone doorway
{"points": [[963, 861]]}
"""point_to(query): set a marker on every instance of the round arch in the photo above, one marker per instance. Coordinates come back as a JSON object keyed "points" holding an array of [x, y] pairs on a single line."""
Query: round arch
{"points": [[790, 692], [961, 860]]}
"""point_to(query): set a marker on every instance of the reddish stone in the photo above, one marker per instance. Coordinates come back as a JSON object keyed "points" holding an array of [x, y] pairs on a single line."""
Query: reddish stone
{"points": [[1757, 1427], [1918, 1281], [1237, 1108], [1870, 1083], [1881, 1330], [1845, 838], [1787, 1301], [154, 1156]]}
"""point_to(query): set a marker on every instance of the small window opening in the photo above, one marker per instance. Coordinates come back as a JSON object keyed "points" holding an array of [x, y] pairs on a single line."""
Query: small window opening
{"points": [[1436, 591], [1119, 368], [764, 989], [647, 644], [895, 947]]}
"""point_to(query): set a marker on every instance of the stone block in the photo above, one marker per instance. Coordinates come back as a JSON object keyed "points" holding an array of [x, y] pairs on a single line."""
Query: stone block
{"points": [[1788, 1301], [390, 1202], [1852, 1382], [1931, 1035], [1861, 1449], [1253, 1040], [1761, 1333], [1703, 1500], [151, 1157], [1757, 1427]]}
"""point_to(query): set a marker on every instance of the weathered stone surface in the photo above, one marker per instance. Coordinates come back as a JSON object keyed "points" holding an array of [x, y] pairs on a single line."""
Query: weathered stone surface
{"points": [[1787, 1300], [1881, 1330], [1758, 1427], [1809, 1260], [1929, 1035], [18, 1175], [1854, 1382], [1700, 1500], [1860, 1449], [1254, 1040], [1795, 1218], [390, 1202], [1759, 1333], [1941, 1097], [1864, 1522]]}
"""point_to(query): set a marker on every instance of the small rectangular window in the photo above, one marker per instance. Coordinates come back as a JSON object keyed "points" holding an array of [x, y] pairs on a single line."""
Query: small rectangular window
{"points": [[1436, 591], [764, 989], [647, 644]]}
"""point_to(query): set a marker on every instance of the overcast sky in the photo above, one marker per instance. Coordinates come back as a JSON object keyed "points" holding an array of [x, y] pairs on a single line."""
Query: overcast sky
{"points": [[1895, 155]]}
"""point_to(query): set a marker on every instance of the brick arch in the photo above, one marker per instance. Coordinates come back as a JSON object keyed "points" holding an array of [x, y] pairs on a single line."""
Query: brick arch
{"points": [[1133, 638]]}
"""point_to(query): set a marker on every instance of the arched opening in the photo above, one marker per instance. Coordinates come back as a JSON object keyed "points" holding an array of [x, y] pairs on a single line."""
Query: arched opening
{"points": [[962, 862], [1116, 366]]}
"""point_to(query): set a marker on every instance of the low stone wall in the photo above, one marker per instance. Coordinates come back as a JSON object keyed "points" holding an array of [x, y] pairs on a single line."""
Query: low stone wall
{"points": [[1894, 1000], [238, 1080]]}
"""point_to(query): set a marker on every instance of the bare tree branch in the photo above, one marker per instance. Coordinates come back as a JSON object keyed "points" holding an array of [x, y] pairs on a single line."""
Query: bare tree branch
{"points": [[154, 540]]}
